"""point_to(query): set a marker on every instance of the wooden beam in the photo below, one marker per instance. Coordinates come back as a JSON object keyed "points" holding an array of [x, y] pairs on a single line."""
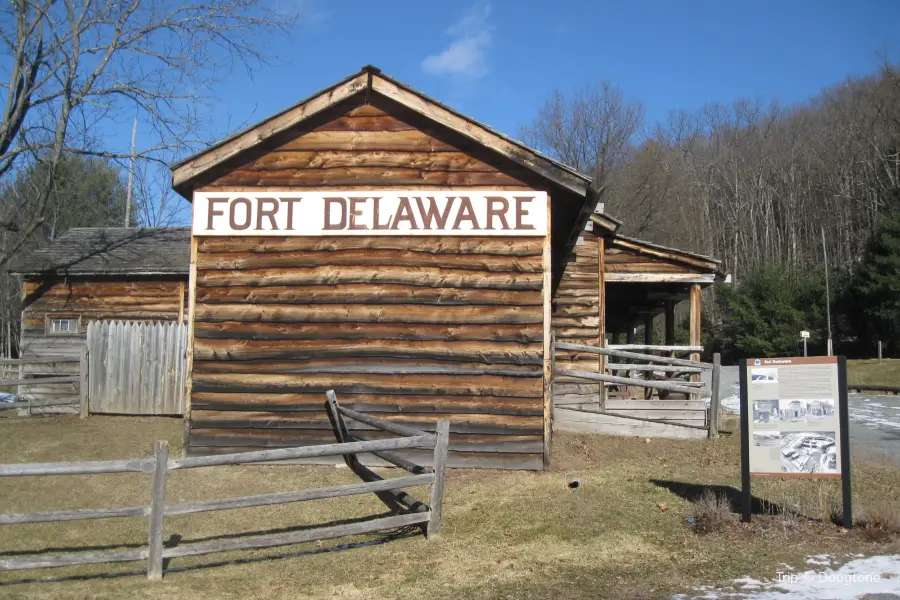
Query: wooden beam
{"points": [[249, 138], [189, 360], [425, 441], [619, 277], [650, 358], [439, 463], [645, 383], [696, 314], [696, 317], [157, 510], [181, 302], [133, 465], [297, 537], [547, 290], [655, 348], [670, 323], [601, 312], [652, 368], [667, 254]]}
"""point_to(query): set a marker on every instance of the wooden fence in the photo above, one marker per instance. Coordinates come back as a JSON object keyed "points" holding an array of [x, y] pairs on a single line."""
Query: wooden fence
{"points": [[69, 389], [137, 368], [664, 417], [406, 510]]}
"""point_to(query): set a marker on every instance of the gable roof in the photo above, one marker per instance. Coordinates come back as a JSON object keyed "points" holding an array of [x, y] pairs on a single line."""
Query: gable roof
{"points": [[111, 251], [697, 262], [368, 81]]}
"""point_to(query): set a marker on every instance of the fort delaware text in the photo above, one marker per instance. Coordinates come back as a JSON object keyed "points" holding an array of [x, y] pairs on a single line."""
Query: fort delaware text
{"points": [[478, 213]]}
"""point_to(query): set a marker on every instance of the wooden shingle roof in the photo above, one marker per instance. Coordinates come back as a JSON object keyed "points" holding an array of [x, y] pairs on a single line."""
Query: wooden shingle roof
{"points": [[111, 251]]}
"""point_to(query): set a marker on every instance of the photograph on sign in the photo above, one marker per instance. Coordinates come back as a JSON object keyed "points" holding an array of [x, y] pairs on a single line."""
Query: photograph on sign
{"points": [[764, 375], [809, 452], [340, 213], [793, 422]]}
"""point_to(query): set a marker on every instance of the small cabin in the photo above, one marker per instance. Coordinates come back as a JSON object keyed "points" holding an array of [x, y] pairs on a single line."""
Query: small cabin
{"points": [[95, 274]]}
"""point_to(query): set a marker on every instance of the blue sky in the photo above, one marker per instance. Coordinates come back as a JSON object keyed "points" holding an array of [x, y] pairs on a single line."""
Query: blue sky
{"points": [[497, 61]]}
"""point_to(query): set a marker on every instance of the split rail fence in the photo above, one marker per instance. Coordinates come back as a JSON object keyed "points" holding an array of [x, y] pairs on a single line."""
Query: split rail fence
{"points": [[70, 388], [663, 374], [406, 509]]}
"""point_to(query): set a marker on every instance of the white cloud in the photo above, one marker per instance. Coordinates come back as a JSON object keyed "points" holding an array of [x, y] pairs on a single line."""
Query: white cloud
{"points": [[465, 57]]}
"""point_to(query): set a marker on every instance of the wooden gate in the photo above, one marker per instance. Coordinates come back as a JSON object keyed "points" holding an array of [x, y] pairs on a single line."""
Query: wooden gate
{"points": [[136, 368]]}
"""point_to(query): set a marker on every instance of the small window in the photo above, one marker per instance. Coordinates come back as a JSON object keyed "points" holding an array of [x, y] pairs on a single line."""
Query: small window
{"points": [[62, 325]]}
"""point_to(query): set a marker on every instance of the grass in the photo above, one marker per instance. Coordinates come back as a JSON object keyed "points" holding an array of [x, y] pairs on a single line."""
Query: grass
{"points": [[874, 372], [622, 534], [712, 513]]}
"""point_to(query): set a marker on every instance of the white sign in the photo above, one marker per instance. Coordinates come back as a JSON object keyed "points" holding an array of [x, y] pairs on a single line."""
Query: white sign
{"points": [[378, 212], [804, 334]]}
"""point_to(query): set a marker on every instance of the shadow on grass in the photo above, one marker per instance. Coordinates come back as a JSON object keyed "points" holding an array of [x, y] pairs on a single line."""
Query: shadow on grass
{"points": [[692, 492], [173, 541]]}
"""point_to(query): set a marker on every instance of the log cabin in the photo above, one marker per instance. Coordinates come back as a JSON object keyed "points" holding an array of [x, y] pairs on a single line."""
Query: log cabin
{"points": [[373, 241], [95, 274]]}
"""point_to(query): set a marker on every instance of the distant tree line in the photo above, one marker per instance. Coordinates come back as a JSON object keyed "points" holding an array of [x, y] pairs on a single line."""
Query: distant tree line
{"points": [[756, 184]]}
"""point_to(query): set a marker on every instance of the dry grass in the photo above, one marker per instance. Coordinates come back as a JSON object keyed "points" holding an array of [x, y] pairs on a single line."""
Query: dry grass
{"points": [[622, 534], [874, 372], [880, 520], [712, 513]]}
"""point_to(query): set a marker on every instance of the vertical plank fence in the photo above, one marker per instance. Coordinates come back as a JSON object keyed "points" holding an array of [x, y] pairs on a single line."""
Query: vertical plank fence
{"points": [[137, 368]]}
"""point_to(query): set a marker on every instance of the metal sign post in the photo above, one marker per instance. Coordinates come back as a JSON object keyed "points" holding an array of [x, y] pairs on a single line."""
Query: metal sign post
{"points": [[794, 423], [804, 335]]}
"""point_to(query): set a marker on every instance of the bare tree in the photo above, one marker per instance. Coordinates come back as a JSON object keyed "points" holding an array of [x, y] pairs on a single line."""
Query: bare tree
{"points": [[75, 67], [593, 129]]}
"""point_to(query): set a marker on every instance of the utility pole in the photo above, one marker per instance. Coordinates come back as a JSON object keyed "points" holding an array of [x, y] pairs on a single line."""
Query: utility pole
{"points": [[827, 294], [130, 176]]}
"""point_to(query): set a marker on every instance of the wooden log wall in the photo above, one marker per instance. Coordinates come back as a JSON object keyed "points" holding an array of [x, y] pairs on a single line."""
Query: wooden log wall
{"points": [[409, 329], [576, 319], [92, 300]]}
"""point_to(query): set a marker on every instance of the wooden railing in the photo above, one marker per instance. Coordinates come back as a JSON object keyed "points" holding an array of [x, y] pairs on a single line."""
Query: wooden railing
{"points": [[407, 510], [630, 360], [29, 404]]}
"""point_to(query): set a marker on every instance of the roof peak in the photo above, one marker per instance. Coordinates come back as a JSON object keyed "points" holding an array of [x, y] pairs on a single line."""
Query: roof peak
{"points": [[190, 171]]}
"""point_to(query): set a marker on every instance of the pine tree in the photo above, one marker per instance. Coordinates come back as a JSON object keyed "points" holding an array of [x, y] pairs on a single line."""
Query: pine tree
{"points": [[875, 293]]}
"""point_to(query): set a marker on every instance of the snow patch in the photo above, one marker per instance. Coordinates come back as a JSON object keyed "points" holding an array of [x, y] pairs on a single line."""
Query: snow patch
{"points": [[861, 576]]}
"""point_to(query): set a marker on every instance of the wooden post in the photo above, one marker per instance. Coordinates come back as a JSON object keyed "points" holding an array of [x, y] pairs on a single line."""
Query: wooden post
{"points": [[547, 292], [601, 309], [614, 341], [83, 383], [552, 364], [189, 359], [181, 302], [670, 323], [440, 467], [696, 312], [714, 398], [648, 330], [157, 510], [629, 339]]}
